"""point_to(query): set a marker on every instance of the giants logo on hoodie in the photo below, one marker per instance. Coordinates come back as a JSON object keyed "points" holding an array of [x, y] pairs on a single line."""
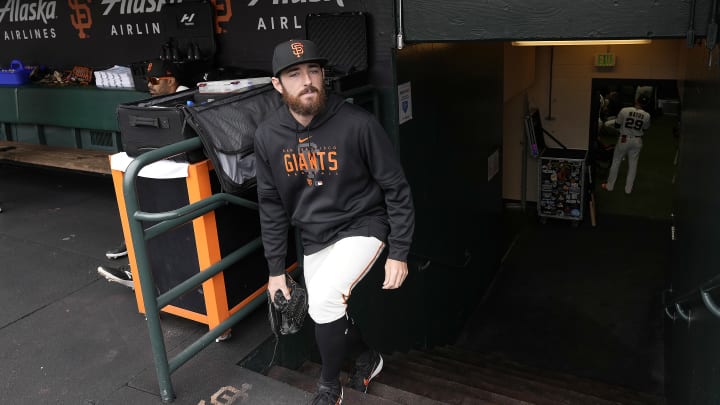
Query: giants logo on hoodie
{"points": [[310, 160]]}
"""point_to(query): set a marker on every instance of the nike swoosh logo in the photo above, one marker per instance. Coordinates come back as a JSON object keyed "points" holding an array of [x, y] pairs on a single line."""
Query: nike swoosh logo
{"points": [[303, 140]]}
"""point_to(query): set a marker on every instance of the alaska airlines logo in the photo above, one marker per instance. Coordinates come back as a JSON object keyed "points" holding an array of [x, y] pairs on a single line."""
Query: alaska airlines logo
{"points": [[280, 2], [223, 14], [82, 19], [40, 10], [298, 49], [136, 6]]}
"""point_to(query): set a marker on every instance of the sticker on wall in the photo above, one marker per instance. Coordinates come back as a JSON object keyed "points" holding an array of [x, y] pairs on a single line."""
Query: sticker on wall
{"points": [[404, 102]]}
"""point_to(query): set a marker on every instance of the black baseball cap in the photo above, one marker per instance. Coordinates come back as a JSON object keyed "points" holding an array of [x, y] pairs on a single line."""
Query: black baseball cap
{"points": [[295, 51], [160, 68], [643, 100]]}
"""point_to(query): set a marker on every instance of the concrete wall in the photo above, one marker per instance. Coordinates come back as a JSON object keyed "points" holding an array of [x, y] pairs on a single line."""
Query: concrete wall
{"points": [[448, 151], [692, 361]]}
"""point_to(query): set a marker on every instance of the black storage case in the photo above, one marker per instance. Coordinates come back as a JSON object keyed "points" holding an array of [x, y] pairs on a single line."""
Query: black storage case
{"points": [[343, 39], [148, 124]]}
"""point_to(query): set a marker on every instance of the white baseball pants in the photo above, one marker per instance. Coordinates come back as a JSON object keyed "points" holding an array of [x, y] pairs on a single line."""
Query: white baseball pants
{"points": [[630, 148], [332, 273]]}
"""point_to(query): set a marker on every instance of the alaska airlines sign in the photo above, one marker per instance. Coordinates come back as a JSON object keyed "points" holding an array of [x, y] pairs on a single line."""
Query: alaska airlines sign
{"points": [[100, 33], [283, 20], [264, 23], [33, 11], [133, 6], [39, 13]]}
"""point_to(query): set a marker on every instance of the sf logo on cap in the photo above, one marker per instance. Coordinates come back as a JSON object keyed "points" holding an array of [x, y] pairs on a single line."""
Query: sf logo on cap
{"points": [[297, 49]]}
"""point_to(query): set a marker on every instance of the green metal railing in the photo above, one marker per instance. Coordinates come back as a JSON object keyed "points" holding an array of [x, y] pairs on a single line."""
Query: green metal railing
{"points": [[164, 222], [676, 307]]}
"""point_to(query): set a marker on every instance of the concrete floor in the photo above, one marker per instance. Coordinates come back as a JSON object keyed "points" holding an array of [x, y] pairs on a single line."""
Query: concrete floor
{"points": [[577, 299], [589, 300], [581, 300], [67, 336]]}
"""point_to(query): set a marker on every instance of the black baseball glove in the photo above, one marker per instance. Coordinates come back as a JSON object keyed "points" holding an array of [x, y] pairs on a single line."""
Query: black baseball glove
{"points": [[287, 316]]}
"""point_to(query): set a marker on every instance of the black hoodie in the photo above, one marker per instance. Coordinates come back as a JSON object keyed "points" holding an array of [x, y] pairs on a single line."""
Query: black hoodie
{"points": [[335, 178]]}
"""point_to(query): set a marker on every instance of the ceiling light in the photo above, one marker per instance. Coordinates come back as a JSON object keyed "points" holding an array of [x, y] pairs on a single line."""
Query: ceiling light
{"points": [[584, 42]]}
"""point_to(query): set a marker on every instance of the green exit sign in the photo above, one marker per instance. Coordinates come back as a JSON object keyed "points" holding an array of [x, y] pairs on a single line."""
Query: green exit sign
{"points": [[605, 59]]}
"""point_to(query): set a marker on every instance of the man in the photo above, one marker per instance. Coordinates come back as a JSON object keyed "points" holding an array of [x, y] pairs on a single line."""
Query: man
{"points": [[328, 168], [632, 123], [162, 80]]}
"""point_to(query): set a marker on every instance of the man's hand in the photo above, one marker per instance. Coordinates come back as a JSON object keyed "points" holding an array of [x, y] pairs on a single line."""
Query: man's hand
{"points": [[395, 274], [278, 283]]}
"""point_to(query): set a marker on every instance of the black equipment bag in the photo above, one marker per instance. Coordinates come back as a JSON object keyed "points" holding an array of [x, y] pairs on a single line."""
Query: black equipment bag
{"points": [[226, 128], [148, 124]]}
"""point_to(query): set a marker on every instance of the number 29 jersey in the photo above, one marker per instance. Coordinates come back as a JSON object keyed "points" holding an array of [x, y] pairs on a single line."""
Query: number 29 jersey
{"points": [[633, 121]]}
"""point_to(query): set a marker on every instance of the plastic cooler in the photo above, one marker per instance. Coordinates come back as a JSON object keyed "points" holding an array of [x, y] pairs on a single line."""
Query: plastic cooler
{"points": [[16, 75]]}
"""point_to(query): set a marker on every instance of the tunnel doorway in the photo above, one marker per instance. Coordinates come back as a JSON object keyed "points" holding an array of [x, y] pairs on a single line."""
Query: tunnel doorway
{"points": [[652, 194]]}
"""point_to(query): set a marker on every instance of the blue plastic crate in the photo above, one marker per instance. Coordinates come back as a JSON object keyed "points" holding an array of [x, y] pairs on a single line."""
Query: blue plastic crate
{"points": [[17, 74]]}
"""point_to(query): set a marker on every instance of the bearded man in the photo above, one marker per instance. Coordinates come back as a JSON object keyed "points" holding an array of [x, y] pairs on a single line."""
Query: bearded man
{"points": [[328, 168]]}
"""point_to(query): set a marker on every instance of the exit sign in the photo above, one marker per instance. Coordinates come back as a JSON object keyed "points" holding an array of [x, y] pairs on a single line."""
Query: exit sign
{"points": [[605, 59]]}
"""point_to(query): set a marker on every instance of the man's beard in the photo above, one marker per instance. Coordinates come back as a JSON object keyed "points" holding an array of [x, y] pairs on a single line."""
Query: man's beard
{"points": [[299, 107]]}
